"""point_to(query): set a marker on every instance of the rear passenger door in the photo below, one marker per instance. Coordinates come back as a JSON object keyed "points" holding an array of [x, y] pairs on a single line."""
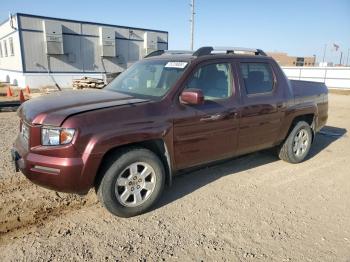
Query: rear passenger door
{"points": [[261, 105]]}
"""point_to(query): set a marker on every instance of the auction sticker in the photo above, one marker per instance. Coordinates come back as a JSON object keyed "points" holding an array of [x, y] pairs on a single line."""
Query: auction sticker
{"points": [[176, 64]]}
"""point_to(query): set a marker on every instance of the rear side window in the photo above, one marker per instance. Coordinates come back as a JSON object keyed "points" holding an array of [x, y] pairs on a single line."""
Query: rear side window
{"points": [[258, 77]]}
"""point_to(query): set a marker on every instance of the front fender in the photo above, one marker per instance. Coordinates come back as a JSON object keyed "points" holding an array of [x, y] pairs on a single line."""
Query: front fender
{"points": [[101, 143]]}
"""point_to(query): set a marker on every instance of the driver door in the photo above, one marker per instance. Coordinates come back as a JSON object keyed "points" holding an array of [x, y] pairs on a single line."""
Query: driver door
{"points": [[208, 132]]}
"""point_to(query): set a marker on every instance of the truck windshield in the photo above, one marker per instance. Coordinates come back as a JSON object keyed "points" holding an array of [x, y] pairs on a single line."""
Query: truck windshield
{"points": [[148, 78]]}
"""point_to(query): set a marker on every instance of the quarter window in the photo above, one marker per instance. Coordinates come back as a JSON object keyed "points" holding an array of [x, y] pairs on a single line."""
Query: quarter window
{"points": [[214, 80], [12, 51], [258, 77]]}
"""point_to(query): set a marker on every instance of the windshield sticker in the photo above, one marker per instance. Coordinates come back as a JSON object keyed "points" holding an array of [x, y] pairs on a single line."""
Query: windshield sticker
{"points": [[176, 64]]}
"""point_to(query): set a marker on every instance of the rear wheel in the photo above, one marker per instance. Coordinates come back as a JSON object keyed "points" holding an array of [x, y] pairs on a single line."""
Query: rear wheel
{"points": [[296, 147], [132, 183]]}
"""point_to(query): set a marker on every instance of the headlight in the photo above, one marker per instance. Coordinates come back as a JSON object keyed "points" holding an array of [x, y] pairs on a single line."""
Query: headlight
{"points": [[53, 136]]}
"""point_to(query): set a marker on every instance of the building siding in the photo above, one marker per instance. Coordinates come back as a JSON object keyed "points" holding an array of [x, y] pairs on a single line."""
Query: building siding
{"points": [[10, 62], [82, 52], [81, 47]]}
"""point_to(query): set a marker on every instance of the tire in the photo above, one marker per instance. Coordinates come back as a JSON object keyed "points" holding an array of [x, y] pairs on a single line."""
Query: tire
{"points": [[125, 190], [297, 145]]}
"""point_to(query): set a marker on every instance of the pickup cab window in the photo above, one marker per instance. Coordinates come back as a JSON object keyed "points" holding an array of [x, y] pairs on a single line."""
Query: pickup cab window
{"points": [[148, 78], [215, 81], [258, 77]]}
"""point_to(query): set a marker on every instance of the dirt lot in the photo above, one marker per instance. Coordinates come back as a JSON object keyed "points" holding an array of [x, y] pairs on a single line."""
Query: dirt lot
{"points": [[254, 208]]}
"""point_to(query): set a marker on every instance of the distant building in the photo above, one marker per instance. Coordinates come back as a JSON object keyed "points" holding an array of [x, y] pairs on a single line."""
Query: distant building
{"points": [[325, 64], [284, 59], [31, 46]]}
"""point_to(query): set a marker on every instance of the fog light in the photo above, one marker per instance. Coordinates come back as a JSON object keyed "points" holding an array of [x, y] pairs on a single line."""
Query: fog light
{"points": [[47, 169]]}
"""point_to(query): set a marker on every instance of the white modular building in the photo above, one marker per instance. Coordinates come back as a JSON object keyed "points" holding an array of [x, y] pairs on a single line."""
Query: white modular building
{"points": [[40, 51]]}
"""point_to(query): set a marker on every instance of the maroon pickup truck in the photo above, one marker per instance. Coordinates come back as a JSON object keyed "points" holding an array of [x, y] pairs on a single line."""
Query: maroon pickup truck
{"points": [[169, 112]]}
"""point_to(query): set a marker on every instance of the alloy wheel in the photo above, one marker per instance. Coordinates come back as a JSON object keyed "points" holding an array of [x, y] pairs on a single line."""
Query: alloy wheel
{"points": [[135, 184]]}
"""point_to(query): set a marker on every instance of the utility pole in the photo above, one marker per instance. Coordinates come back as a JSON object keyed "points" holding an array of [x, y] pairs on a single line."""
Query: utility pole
{"points": [[324, 52], [314, 63], [347, 58], [341, 57], [192, 23]]}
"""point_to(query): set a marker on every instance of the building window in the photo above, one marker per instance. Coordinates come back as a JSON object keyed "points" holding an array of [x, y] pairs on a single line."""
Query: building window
{"points": [[1, 55], [300, 61], [5, 48], [12, 50]]}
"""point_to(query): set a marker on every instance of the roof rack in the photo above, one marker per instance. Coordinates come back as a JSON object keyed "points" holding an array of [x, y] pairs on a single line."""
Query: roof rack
{"points": [[207, 50], [169, 52]]}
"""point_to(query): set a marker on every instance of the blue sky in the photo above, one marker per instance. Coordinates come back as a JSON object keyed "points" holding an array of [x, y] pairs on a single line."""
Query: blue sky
{"points": [[299, 27]]}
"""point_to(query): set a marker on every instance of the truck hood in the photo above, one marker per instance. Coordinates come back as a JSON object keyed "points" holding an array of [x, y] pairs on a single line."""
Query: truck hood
{"points": [[54, 108]]}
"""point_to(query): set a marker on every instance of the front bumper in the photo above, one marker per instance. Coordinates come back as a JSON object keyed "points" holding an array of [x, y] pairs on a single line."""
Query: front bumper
{"points": [[65, 174]]}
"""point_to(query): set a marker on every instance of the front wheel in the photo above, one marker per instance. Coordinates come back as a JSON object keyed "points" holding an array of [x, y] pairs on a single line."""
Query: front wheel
{"points": [[132, 183], [297, 145]]}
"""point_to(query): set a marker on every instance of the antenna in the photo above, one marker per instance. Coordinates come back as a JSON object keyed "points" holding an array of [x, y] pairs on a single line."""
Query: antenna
{"points": [[11, 22], [192, 23]]}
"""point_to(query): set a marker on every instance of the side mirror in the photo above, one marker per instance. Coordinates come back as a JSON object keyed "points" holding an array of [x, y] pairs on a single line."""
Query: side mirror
{"points": [[192, 96]]}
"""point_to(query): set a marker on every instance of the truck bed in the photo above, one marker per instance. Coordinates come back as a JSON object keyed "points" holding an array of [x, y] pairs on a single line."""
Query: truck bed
{"points": [[308, 88], [312, 92]]}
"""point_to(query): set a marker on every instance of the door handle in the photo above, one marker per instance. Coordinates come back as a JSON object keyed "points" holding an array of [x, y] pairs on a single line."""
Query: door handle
{"points": [[212, 117], [219, 116]]}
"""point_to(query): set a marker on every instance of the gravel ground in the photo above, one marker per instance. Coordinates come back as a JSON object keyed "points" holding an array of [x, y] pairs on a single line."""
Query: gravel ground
{"points": [[253, 208], [8, 129]]}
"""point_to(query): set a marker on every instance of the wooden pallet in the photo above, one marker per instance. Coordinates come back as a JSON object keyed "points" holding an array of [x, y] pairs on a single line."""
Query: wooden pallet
{"points": [[88, 82]]}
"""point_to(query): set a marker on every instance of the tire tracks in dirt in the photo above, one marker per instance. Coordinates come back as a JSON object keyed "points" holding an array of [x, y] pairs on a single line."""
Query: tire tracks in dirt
{"points": [[25, 207]]}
